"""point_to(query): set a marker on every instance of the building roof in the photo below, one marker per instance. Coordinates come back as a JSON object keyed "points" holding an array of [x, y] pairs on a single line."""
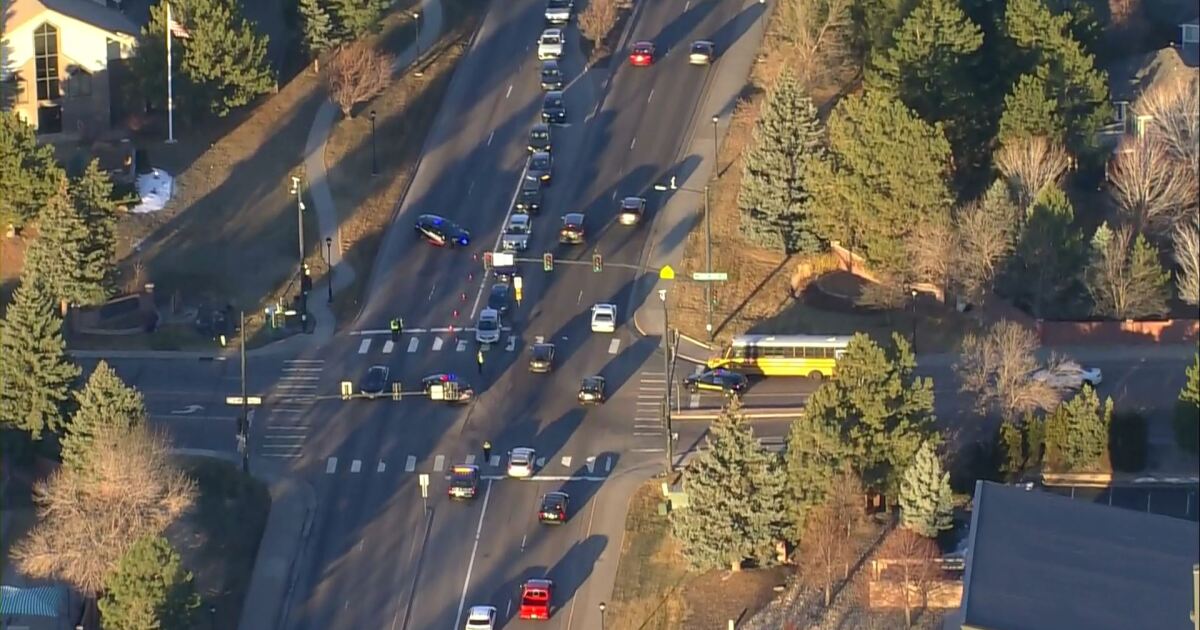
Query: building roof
{"points": [[19, 12], [1038, 560]]}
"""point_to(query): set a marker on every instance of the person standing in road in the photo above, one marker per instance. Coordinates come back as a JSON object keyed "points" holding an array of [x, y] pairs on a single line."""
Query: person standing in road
{"points": [[479, 359], [487, 451]]}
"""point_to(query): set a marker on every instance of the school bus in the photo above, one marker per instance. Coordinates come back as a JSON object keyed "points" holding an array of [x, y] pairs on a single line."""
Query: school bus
{"points": [[814, 356]]}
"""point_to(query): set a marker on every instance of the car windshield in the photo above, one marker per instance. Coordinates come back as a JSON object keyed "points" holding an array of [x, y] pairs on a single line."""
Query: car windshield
{"points": [[542, 352], [550, 72], [488, 323], [559, 4], [642, 49], [604, 316], [541, 164], [553, 101], [550, 504], [699, 47], [549, 38], [540, 134], [520, 458]]}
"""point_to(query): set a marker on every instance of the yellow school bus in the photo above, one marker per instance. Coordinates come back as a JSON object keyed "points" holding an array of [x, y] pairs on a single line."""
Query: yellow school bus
{"points": [[814, 356]]}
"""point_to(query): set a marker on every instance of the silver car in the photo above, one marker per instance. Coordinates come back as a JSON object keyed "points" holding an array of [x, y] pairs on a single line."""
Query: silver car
{"points": [[517, 232]]}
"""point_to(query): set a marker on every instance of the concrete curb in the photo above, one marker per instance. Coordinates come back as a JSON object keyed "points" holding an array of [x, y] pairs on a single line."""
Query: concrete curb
{"points": [[752, 414], [272, 585]]}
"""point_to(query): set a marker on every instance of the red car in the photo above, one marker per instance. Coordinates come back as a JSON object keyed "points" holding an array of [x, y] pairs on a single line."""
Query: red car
{"points": [[642, 54], [535, 598]]}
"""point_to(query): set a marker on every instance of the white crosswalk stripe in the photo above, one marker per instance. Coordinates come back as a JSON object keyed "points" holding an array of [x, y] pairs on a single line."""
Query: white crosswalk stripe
{"points": [[547, 469], [285, 415], [512, 343], [613, 346], [356, 465], [437, 344], [461, 346], [412, 345], [694, 401], [387, 346], [330, 465], [364, 345]]}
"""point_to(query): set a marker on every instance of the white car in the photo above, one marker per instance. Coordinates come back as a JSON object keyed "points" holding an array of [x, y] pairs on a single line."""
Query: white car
{"points": [[487, 330], [1069, 376], [550, 44], [559, 11], [516, 233], [481, 618], [604, 318], [521, 462]]}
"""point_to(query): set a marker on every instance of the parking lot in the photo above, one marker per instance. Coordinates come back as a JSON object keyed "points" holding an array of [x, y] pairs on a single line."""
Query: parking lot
{"points": [[1178, 501]]}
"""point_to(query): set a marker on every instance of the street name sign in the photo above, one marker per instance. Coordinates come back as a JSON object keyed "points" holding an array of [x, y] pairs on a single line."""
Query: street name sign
{"points": [[713, 276], [237, 400]]}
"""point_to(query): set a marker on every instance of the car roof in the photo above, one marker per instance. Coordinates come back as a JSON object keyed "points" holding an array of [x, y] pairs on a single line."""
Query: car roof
{"points": [[645, 43], [632, 201], [540, 127], [489, 313], [541, 155], [605, 307], [557, 494], [550, 63], [553, 94], [518, 218], [465, 468], [539, 582], [481, 612], [576, 217], [552, 31], [378, 368], [522, 450], [500, 287], [593, 379], [702, 42], [542, 346], [432, 218]]}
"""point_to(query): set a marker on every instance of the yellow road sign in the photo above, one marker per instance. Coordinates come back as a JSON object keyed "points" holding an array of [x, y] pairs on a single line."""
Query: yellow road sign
{"points": [[666, 273]]}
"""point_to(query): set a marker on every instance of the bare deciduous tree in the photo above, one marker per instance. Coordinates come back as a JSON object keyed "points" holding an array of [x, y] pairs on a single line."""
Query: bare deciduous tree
{"points": [[596, 21], [90, 517], [819, 35], [998, 369], [1124, 277], [932, 248], [913, 563], [1031, 164], [1186, 241], [889, 293], [357, 73], [1151, 188], [823, 549], [847, 499], [986, 236], [1172, 110]]}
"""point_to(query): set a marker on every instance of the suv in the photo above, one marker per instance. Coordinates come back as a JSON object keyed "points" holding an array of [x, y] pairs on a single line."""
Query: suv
{"points": [[529, 199], [554, 109], [539, 138], [572, 231], [540, 166], [552, 76], [500, 297], [487, 330], [559, 11], [464, 482], [554, 508], [516, 233], [550, 44], [632, 210]]}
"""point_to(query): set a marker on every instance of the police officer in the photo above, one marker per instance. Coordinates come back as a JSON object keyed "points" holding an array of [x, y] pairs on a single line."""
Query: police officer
{"points": [[479, 359], [397, 326], [487, 451]]}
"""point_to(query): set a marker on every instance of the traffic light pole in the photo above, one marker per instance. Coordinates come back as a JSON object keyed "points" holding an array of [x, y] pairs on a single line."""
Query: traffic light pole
{"points": [[666, 408]]}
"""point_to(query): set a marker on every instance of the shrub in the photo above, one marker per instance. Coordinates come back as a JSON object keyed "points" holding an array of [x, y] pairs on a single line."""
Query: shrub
{"points": [[1187, 426]]}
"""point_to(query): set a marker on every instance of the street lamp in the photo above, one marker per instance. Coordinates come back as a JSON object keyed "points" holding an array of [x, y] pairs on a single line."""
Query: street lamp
{"points": [[417, 62], [300, 228], [708, 302], [716, 144], [602, 607], [913, 293], [329, 265], [374, 161], [666, 408]]}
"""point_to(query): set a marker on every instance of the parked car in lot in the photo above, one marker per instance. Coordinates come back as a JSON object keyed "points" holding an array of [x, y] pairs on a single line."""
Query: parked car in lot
{"points": [[1069, 376]]}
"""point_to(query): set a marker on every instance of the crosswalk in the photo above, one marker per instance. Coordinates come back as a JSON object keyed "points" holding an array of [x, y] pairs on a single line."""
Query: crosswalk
{"points": [[286, 416], [647, 415], [413, 344], [558, 468]]}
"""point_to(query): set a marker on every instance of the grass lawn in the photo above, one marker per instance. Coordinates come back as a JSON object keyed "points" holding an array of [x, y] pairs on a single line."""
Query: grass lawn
{"points": [[219, 539]]}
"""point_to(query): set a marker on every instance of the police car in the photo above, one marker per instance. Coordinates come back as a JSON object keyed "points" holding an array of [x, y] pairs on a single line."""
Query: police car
{"points": [[464, 482]]}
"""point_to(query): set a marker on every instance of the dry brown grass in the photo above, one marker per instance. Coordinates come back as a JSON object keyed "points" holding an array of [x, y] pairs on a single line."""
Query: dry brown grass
{"points": [[652, 570]]}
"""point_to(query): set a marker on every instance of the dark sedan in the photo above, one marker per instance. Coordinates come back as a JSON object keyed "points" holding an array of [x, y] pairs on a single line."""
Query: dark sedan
{"points": [[529, 199], [500, 297], [591, 390], [541, 359], [552, 76], [554, 108], [572, 231], [719, 380], [374, 382], [539, 138], [441, 232], [554, 508]]}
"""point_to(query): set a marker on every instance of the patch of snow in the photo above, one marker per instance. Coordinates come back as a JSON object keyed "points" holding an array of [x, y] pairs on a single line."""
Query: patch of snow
{"points": [[155, 189]]}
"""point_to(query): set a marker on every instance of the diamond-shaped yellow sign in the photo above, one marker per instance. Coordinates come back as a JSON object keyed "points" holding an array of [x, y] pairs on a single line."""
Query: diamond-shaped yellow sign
{"points": [[666, 273]]}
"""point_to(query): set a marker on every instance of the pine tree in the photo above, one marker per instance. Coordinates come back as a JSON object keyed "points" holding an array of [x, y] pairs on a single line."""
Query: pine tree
{"points": [[1191, 389], [1044, 273], [879, 21], [930, 65], [1077, 432], [29, 174], [774, 198], [735, 506], [884, 410], [1030, 112], [106, 401], [92, 196], [926, 501], [317, 28], [815, 453], [1126, 280], [60, 255], [1187, 410], [355, 18], [888, 171], [150, 589], [33, 365]]}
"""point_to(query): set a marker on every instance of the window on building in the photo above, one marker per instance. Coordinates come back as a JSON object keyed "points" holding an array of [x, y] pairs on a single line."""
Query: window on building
{"points": [[45, 58], [79, 82], [1191, 33]]}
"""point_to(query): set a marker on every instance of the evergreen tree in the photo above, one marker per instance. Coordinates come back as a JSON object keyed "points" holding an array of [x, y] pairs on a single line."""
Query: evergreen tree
{"points": [[878, 21], [34, 370], [1044, 272], [930, 66], [106, 401], [1029, 112], [774, 198], [317, 28], [1077, 432], [60, 255], [92, 196], [883, 409], [888, 172], [1191, 389], [355, 18], [150, 589], [1126, 280], [29, 174], [1187, 410], [735, 505], [926, 501], [816, 451]]}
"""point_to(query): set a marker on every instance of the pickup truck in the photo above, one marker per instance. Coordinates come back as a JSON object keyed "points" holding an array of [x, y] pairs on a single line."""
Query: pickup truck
{"points": [[558, 11], [550, 44], [535, 599]]}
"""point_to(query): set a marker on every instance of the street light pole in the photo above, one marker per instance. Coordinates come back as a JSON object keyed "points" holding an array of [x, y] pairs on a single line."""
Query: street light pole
{"points": [[666, 347], [716, 145], [417, 62], [296, 190], [245, 406], [602, 607], [329, 266], [374, 161], [708, 302], [913, 294]]}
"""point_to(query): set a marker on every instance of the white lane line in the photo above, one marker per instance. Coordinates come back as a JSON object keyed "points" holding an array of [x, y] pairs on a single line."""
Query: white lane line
{"points": [[540, 463], [462, 601], [509, 92], [566, 461], [647, 450], [432, 290], [512, 343], [653, 380], [608, 463], [462, 345], [381, 467], [439, 463], [495, 461], [356, 465], [648, 396], [613, 346], [633, 144], [651, 98], [471, 460], [412, 345], [483, 281], [410, 463], [549, 477], [646, 433], [304, 361], [387, 346], [579, 300], [591, 465], [539, 339], [364, 346], [490, 136], [330, 465], [437, 344], [299, 369]]}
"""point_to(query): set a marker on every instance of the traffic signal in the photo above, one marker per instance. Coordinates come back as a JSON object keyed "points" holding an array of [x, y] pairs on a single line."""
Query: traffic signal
{"points": [[548, 261], [597, 263], [487, 260]]}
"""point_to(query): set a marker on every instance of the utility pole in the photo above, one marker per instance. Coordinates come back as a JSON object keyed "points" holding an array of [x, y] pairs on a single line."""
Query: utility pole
{"points": [[245, 417], [708, 302], [300, 223], [666, 408]]}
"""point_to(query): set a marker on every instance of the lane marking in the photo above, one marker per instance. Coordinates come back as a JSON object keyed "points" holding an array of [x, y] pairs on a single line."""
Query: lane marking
{"points": [[330, 465], [613, 346], [410, 463], [439, 463], [499, 237], [356, 465], [364, 346], [631, 145], [608, 463], [540, 463], [437, 344], [566, 461], [699, 369], [462, 345], [381, 467], [387, 346], [591, 465], [462, 600], [412, 345], [492, 135], [549, 477], [539, 339], [579, 300], [432, 290], [651, 97], [512, 343], [304, 360], [586, 535], [648, 450], [495, 461], [471, 460], [694, 401], [509, 92]]}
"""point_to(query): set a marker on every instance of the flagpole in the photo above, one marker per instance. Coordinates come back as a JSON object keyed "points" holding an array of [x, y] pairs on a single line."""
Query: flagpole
{"points": [[170, 84]]}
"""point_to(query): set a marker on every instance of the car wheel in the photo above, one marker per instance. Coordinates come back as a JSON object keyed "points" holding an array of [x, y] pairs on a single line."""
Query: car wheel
{"points": [[815, 375]]}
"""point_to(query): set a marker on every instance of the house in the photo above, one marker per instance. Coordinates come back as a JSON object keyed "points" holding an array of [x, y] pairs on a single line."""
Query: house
{"points": [[1037, 560], [58, 63]]}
